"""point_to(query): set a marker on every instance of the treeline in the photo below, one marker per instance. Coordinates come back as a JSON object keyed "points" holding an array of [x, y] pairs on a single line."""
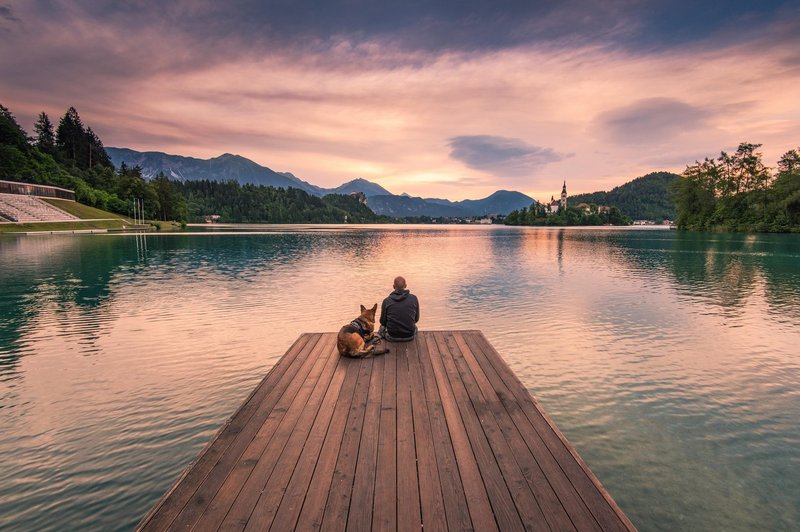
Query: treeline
{"points": [[537, 214], [644, 198], [737, 192], [72, 156], [236, 203]]}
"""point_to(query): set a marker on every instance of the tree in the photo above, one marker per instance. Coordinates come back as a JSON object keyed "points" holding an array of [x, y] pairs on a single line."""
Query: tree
{"points": [[738, 192], [750, 172], [45, 138], [786, 191], [644, 198], [96, 152], [789, 163], [173, 206], [11, 134], [71, 137]]}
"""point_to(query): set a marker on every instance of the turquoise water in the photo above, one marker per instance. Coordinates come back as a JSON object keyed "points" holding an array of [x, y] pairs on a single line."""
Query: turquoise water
{"points": [[670, 361]]}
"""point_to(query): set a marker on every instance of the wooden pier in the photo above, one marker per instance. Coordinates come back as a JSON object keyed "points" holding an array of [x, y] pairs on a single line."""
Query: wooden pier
{"points": [[439, 433]]}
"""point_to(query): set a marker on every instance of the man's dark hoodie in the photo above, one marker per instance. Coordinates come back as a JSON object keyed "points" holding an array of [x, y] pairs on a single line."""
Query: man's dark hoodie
{"points": [[400, 313]]}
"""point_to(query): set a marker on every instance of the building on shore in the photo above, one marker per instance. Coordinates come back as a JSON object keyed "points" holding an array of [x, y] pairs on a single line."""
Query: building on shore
{"points": [[556, 204]]}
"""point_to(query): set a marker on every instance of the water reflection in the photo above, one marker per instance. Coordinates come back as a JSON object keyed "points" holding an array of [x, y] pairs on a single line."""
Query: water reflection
{"points": [[661, 355], [727, 271]]}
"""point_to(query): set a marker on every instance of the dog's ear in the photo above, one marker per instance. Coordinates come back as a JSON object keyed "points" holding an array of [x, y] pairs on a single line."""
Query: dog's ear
{"points": [[363, 308], [374, 307]]}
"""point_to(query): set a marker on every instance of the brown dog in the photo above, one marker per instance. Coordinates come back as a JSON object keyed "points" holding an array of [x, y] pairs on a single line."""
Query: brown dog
{"points": [[353, 337]]}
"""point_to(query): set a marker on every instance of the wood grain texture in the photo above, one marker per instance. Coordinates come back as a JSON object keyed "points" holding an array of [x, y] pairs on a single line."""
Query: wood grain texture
{"points": [[439, 434]]}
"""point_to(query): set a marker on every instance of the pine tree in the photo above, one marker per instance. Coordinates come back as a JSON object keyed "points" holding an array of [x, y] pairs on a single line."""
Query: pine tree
{"points": [[45, 137], [71, 137], [96, 152], [789, 163], [11, 133]]}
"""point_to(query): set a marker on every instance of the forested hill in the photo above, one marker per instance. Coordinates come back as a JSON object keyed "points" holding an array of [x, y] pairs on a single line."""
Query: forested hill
{"points": [[72, 156], [645, 198], [236, 203]]}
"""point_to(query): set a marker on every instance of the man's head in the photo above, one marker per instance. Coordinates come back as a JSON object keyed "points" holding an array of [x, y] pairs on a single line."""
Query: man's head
{"points": [[399, 283]]}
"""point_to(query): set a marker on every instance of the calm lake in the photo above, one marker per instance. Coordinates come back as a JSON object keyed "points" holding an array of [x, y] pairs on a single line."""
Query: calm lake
{"points": [[671, 361]]}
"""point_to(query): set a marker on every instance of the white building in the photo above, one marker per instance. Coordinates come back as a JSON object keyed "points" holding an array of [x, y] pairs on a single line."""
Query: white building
{"points": [[555, 204]]}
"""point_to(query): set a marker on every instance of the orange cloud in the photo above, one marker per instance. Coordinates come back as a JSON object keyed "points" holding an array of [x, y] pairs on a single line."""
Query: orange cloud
{"points": [[340, 109]]}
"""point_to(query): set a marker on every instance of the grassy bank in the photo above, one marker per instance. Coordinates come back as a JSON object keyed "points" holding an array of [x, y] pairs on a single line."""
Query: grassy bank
{"points": [[166, 226], [78, 225], [90, 218], [84, 212]]}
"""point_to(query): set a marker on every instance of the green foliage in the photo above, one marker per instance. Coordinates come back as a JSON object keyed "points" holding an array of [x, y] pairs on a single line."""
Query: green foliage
{"points": [[235, 203], [71, 136], [73, 157], [737, 192], [11, 134], [45, 136], [355, 210], [172, 203], [79, 145], [77, 225], [644, 198], [12, 160], [537, 214]]}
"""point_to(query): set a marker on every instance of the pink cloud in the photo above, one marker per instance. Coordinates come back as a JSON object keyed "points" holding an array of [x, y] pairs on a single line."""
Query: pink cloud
{"points": [[342, 108]]}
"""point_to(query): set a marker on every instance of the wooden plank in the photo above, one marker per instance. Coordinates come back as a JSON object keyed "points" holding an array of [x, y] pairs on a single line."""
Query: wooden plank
{"points": [[236, 498], [220, 490], [319, 406], [288, 510], [409, 511], [337, 506], [459, 515], [384, 515], [485, 373], [231, 437], [361, 501], [308, 515], [430, 487], [438, 434], [595, 496], [538, 484], [503, 506]]}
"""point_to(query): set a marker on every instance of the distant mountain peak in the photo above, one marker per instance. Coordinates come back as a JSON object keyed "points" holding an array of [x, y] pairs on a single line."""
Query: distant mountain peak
{"points": [[225, 167], [234, 157], [229, 166], [360, 184]]}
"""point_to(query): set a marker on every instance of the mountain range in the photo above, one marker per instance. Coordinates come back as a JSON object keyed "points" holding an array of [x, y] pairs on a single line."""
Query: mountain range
{"points": [[229, 167]]}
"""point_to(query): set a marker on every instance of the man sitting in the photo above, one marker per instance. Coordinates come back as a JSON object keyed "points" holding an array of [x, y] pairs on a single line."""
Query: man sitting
{"points": [[399, 314]]}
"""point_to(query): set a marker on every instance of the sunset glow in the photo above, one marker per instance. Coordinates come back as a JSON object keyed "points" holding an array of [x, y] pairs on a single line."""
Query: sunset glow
{"points": [[435, 102]]}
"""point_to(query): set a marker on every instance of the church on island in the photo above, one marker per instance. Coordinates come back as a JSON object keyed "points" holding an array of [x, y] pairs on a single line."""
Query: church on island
{"points": [[555, 204]]}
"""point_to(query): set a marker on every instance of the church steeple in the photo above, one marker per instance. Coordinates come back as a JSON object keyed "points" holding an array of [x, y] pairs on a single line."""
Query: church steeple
{"points": [[564, 195]]}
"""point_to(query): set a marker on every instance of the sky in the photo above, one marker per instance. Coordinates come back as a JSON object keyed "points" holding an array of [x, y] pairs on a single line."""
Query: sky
{"points": [[446, 99]]}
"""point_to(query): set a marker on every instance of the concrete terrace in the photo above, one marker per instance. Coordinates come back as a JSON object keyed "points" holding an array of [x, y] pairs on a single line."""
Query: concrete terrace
{"points": [[22, 208]]}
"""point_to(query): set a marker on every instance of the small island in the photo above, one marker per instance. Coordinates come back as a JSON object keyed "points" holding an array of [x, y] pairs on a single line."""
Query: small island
{"points": [[561, 213]]}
